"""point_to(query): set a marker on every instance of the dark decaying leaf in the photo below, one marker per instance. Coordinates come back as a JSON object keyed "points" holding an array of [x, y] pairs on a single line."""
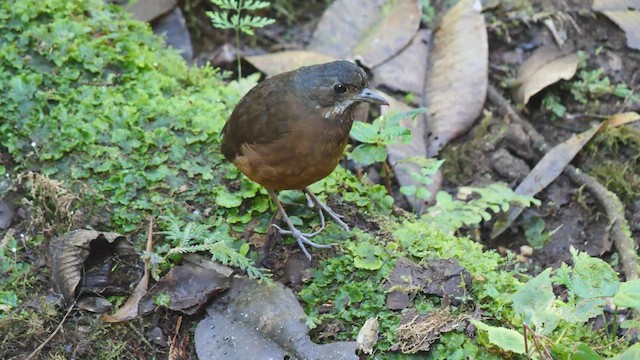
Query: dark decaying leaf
{"points": [[255, 320], [189, 287], [444, 278], [417, 332], [95, 304], [457, 76], [406, 72], [96, 253], [626, 14], [547, 65], [7, 213], [371, 31]]}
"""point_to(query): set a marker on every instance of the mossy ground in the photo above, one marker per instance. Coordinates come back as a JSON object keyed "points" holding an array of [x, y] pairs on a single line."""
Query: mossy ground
{"points": [[123, 130]]}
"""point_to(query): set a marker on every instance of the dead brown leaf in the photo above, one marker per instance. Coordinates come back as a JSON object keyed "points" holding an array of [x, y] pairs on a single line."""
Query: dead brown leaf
{"points": [[276, 63], [147, 10], [626, 14], [70, 251], [456, 84], [554, 162], [371, 31], [189, 287], [546, 66], [406, 71], [129, 310]]}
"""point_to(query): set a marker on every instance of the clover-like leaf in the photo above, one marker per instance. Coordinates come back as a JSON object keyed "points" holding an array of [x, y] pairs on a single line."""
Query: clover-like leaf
{"points": [[367, 154]]}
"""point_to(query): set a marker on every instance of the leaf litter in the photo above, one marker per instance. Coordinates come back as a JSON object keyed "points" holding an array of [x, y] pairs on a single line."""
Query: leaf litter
{"points": [[457, 76], [256, 320]]}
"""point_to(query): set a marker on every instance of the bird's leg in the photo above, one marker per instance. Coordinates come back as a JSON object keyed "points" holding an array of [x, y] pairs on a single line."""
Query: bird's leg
{"points": [[301, 238], [322, 207]]}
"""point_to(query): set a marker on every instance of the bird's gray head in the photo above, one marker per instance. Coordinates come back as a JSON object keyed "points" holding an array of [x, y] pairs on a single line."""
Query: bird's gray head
{"points": [[335, 87]]}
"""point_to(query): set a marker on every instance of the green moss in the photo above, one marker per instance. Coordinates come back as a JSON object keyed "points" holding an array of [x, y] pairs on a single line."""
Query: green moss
{"points": [[622, 177]]}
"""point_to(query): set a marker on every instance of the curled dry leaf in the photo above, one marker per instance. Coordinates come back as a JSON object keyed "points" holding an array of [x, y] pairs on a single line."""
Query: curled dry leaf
{"points": [[276, 63], [626, 14], [371, 31], [546, 66], [554, 162], [456, 84], [255, 320], [70, 251]]}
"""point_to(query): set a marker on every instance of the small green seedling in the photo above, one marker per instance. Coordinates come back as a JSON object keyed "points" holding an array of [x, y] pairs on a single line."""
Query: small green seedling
{"points": [[233, 19]]}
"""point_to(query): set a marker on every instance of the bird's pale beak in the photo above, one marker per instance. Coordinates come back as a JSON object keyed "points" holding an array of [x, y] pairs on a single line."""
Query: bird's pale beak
{"points": [[367, 95]]}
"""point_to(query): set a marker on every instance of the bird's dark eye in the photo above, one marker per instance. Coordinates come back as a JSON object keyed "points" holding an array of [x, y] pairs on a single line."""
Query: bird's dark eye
{"points": [[339, 88]]}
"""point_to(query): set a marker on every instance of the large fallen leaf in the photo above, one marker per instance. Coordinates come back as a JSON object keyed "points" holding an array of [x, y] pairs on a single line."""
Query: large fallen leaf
{"points": [[626, 14], [393, 74], [276, 63], [546, 66], [371, 31], [398, 154], [553, 163], [147, 10], [81, 252], [456, 83], [188, 286], [255, 320]]}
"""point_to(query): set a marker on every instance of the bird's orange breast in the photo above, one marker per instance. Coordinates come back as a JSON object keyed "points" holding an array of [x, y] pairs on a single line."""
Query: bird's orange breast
{"points": [[308, 153]]}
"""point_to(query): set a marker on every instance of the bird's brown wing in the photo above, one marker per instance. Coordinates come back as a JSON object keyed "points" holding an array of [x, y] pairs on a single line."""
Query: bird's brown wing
{"points": [[261, 117]]}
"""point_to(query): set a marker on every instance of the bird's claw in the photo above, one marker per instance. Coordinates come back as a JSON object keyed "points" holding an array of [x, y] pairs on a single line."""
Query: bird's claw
{"points": [[302, 239], [296, 231]]}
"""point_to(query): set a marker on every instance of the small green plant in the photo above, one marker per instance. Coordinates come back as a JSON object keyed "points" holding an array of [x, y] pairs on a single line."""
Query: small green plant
{"points": [[234, 19], [12, 269], [420, 191], [590, 283], [376, 136], [191, 237], [449, 214], [428, 12], [590, 85], [551, 102], [534, 231]]}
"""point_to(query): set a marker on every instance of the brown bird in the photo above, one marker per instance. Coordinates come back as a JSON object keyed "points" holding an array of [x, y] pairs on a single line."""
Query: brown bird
{"points": [[291, 130]]}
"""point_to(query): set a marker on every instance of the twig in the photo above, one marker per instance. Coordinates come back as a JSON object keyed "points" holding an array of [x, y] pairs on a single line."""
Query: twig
{"points": [[615, 210], [613, 207], [176, 332], [50, 337]]}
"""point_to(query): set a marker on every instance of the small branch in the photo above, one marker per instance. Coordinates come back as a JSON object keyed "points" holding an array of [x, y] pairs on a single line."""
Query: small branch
{"points": [[615, 210], [610, 202], [50, 337]]}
